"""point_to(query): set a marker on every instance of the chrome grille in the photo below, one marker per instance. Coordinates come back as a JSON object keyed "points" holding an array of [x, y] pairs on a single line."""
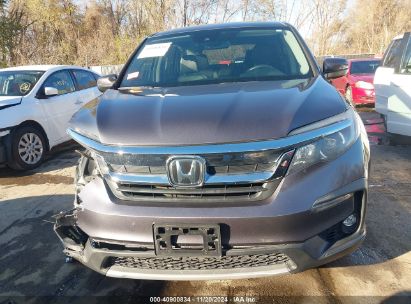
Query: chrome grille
{"points": [[229, 177], [227, 169], [208, 192], [200, 263], [138, 169]]}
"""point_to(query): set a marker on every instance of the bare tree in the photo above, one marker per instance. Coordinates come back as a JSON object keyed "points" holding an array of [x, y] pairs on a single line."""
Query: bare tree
{"points": [[371, 29], [107, 31], [327, 25]]}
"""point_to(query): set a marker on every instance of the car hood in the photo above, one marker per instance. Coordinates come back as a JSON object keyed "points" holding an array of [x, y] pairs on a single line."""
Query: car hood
{"points": [[9, 101], [363, 77], [217, 113]]}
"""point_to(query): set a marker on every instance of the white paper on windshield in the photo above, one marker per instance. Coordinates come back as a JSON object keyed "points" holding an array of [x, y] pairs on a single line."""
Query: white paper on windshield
{"points": [[154, 50], [132, 75]]}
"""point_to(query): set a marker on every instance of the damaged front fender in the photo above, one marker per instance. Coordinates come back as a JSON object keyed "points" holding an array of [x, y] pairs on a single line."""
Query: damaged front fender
{"points": [[76, 242], [72, 237]]}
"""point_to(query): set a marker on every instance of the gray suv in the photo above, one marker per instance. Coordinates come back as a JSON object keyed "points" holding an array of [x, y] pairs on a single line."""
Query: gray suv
{"points": [[218, 152]]}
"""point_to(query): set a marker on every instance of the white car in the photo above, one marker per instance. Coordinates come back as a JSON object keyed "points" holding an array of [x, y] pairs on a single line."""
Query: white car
{"points": [[36, 104], [392, 84]]}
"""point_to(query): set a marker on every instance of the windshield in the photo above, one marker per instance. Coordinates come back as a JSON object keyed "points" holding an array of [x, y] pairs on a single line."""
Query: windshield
{"points": [[364, 67], [216, 56], [18, 83]]}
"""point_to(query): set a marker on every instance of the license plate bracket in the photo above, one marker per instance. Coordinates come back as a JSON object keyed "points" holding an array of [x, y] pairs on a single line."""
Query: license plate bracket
{"points": [[207, 239]]}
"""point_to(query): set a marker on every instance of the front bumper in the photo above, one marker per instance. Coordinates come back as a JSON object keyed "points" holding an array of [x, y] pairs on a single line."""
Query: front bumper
{"points": [[291, 258]]}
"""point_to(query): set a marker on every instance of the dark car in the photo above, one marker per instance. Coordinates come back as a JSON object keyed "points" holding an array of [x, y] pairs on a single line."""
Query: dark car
{"points": [[220, 151], [357, 85]]}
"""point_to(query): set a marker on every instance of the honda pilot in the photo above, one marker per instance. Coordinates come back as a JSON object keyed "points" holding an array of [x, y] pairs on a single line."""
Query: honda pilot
{"points": [[219, 152]]}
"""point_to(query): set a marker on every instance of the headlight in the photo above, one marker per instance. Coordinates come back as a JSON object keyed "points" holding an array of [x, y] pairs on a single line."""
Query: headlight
{"points": [[364, 85], [328, 147]]}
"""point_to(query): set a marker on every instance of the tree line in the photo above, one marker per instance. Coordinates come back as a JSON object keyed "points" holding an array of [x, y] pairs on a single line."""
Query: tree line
{"points": [[102, 32]]}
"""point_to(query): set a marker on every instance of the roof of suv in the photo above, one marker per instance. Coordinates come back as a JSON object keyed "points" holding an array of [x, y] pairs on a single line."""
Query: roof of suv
{"points": [[279, 25]]}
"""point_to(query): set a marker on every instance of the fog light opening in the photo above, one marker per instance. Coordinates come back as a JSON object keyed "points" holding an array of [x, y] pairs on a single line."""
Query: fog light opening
{"points": [[350, 221], [350, 224]]}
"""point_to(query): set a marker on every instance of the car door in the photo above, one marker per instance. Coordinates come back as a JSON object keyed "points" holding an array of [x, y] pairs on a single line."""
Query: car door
{"points": [[385, 73], [59, 108], [86, 85], [399, 104]]}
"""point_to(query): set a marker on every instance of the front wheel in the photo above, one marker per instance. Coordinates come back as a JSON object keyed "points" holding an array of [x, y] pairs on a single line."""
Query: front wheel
{"points": [[28, 147], [398, 139]]}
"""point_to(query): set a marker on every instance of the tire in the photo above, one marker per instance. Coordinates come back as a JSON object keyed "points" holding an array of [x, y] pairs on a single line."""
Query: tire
{"points": [[28, 148], [398, 140], [384, 121], [348, 94]]}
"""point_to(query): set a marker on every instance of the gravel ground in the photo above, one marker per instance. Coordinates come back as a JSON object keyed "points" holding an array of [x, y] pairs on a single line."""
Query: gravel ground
{"points": [[32, 264]]}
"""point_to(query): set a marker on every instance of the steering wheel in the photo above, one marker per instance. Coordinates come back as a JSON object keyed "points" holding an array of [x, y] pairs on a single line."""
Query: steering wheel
{"points": [[260, 67], [264, 67]]}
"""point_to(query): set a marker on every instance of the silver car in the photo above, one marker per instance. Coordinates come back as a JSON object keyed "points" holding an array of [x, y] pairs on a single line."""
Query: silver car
{"points": [[219, 152]]}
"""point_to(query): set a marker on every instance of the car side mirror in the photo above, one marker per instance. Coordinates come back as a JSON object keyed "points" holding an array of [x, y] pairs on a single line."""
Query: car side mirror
{"points": [[50, 91], [335, 67], [106, 82]]}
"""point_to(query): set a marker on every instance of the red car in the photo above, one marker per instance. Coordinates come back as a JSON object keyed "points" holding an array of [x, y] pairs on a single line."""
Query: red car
{"points": [[357, 85]]}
